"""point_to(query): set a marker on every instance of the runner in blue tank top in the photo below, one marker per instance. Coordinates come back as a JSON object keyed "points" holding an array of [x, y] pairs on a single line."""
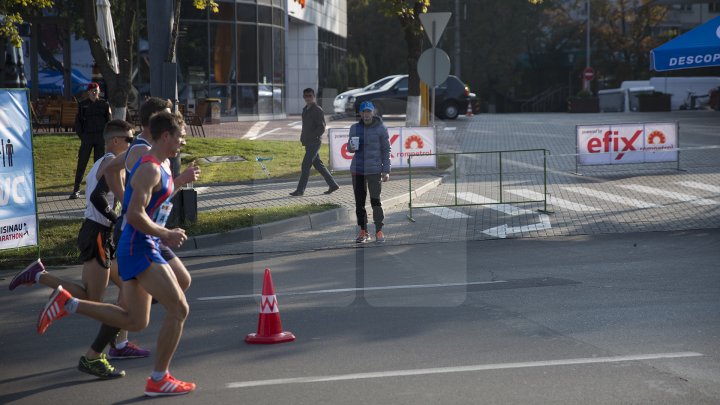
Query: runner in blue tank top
{"points": [[137, 249], [145, 273]]}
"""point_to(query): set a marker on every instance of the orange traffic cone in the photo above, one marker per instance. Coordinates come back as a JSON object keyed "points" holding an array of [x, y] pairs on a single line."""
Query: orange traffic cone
{"points": [[469, 112], [269, 328]]}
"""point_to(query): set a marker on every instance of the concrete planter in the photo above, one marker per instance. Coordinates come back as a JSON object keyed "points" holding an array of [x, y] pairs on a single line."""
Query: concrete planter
{"points": [[584, 105]]}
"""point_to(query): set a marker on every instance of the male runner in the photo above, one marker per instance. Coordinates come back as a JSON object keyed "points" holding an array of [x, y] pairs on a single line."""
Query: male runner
{"points": [[97, 251], [144, 272]]}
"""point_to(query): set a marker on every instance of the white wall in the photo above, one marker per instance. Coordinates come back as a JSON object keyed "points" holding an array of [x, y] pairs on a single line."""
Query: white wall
{"points": [[302, 63]]}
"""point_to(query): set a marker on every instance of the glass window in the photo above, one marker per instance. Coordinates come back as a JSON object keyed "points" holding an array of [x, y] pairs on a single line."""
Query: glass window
{"points": [[278, 100], [192, 52], [246, 12], [222, 53], [278, 17], [278, 56], [226, 12], [247, 53], [264, 15], [265, 55], [247, 100], [265, 99]]}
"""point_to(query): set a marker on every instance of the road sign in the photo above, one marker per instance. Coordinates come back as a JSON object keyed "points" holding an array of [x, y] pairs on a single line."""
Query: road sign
{"points": [[588, 73], [440, 20], [433, 76]]}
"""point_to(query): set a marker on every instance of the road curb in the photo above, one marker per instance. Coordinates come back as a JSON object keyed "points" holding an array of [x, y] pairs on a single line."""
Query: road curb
{"points": [[301, 223]]}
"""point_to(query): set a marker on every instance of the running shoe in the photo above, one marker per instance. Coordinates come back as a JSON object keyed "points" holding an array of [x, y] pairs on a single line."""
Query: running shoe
{"points": [[130, 351], [28, 275], [54, 309], [100, 368], [362, 237], [379, 237], [167, 386]]}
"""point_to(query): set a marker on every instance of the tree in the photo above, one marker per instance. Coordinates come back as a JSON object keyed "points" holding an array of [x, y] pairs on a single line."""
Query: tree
{"points": [[11, 16]]}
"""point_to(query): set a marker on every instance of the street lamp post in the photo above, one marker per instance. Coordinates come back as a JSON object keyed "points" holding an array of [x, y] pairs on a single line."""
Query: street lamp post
{"points": [[587, 46]]}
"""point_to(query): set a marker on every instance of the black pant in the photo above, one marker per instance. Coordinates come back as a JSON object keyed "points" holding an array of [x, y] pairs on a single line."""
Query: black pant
{"points": [[88, 143], [312, 159], [361, 184]]}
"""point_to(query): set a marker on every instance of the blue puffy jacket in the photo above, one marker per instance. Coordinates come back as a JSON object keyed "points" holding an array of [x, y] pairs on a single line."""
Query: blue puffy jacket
{"points": [[373, 157]]}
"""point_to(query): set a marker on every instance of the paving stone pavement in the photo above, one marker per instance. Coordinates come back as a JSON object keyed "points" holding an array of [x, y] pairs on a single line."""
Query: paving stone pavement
{"points": [[582, 200]]}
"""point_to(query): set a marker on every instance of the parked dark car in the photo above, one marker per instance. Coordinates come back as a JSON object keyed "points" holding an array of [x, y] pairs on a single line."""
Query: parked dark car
{"points": [[451, 97]]}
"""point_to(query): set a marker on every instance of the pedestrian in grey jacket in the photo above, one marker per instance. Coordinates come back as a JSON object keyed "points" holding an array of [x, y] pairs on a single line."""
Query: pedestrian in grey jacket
{"points": [[313, 127], [370, 166]]}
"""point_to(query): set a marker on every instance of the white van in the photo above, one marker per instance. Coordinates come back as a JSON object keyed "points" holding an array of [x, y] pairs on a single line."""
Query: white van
{"points": [[684, 89]]}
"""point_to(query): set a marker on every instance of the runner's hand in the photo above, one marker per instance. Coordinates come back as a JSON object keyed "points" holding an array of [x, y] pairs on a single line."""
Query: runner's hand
{"points": [[191, 174], [174, 238], [385, 177]]}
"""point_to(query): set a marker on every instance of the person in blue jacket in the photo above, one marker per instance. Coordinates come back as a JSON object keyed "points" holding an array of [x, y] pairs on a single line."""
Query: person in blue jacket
{"points": [[370, 166]]}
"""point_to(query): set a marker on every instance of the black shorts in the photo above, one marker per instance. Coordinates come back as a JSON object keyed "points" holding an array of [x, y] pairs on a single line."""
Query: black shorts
{"points": [[95, 242], [165, 251]]}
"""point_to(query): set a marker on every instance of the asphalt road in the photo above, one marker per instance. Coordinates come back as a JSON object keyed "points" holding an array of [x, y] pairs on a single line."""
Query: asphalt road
{"points": [[618, 318]]}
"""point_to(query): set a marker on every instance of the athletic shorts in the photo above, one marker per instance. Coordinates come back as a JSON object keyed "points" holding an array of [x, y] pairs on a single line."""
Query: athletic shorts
{"points": [[95, 242], [165, 251], [129, 266]]}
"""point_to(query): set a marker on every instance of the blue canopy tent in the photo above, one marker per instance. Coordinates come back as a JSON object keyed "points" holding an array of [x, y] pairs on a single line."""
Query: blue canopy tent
{"points": [[699, 47]]}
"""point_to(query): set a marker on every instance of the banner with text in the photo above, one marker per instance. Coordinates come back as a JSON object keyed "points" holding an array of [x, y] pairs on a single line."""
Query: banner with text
{"points": [[607, 144], [18, 208], [404, 141]]}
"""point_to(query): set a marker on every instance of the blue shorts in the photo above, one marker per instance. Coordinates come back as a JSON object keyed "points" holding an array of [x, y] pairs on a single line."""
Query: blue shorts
{"points": [[131, 265]]}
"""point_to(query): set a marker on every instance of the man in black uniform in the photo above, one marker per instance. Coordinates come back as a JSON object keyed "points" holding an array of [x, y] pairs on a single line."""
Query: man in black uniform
{"points": [[93, 114]]}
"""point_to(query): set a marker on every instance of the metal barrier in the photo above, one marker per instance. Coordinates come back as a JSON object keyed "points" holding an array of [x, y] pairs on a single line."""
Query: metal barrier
{"points": [[491, 172]]}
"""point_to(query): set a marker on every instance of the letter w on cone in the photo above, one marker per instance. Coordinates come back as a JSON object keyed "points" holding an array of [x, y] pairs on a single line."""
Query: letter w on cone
{"points": [[269, 325]]}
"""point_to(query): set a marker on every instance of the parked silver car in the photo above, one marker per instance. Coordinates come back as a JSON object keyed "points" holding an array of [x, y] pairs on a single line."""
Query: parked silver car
{"points": [[344, 102]]}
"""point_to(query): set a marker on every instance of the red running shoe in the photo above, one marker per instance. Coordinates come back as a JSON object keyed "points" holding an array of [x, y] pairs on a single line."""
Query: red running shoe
{"points": [[167, 386], [54, 309]]}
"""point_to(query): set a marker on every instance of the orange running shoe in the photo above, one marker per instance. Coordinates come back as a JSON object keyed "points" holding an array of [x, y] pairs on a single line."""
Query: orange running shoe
{"points": [[379, 237], [167, 386], [54, 309], [363, 237]]}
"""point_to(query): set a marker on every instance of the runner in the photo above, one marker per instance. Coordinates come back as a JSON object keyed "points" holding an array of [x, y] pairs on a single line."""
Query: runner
{"points": [[144, 272], [97, 251]]}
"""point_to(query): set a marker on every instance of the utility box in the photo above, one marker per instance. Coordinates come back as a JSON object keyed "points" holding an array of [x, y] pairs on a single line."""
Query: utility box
{"points": [[634, 92], [612, 100]]}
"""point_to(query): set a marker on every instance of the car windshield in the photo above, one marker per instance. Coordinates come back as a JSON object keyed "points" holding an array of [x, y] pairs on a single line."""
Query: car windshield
{"points": [[378, 84]]}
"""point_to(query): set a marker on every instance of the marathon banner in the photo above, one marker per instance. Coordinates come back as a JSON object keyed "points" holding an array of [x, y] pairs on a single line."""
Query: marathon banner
{"points": [[18, 208], [404, 141], [604, 144]]}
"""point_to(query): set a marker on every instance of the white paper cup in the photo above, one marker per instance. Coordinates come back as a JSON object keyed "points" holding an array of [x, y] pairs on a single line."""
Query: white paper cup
{"points": [[355, 142]]}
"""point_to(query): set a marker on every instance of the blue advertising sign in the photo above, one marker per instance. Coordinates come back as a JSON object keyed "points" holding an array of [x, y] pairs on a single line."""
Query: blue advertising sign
{"points": [[18, 207]]}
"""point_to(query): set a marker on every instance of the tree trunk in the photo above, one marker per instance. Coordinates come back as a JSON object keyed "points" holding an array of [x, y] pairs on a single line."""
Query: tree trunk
{"points": [[118, 84], [413, 38]]}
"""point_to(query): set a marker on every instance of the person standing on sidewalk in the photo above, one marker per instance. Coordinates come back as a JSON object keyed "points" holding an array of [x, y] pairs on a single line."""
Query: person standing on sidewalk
{"points": [[313, 127], [144, 272], [370, 166], [93, 114]]}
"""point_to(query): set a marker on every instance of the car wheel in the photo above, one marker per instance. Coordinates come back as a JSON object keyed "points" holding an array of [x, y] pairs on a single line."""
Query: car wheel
{"points": [[449, 110]]}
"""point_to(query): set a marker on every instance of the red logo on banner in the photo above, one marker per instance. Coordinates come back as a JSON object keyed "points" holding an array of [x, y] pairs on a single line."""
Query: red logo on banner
{"points": [[656, 135], [414, 139], [301, 2], [610, 142]]}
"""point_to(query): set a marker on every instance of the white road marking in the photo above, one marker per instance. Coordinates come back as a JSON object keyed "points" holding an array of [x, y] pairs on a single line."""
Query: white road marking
{"points": [[612, 197], [265, 133], [558, 202], [492, 204], [503, 231], [699, 186], [450, 128], [255, 129], [344, 290], [292, 124], [693, 199], [444, 212], [461, 369]]}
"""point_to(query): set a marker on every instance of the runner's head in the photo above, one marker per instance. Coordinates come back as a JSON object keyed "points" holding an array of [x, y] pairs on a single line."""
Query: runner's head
{"points": [[118, 135], [151, 106]]}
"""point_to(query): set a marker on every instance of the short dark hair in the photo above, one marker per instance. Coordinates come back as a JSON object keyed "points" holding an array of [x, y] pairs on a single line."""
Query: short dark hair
{"points": [[309, 90], [115, 127], [151, 106], [165, 121]]}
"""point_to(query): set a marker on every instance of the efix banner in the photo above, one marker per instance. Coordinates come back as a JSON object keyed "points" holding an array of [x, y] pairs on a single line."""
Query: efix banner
{"points": [[610, 144], [404, 141], [18, 212]]}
